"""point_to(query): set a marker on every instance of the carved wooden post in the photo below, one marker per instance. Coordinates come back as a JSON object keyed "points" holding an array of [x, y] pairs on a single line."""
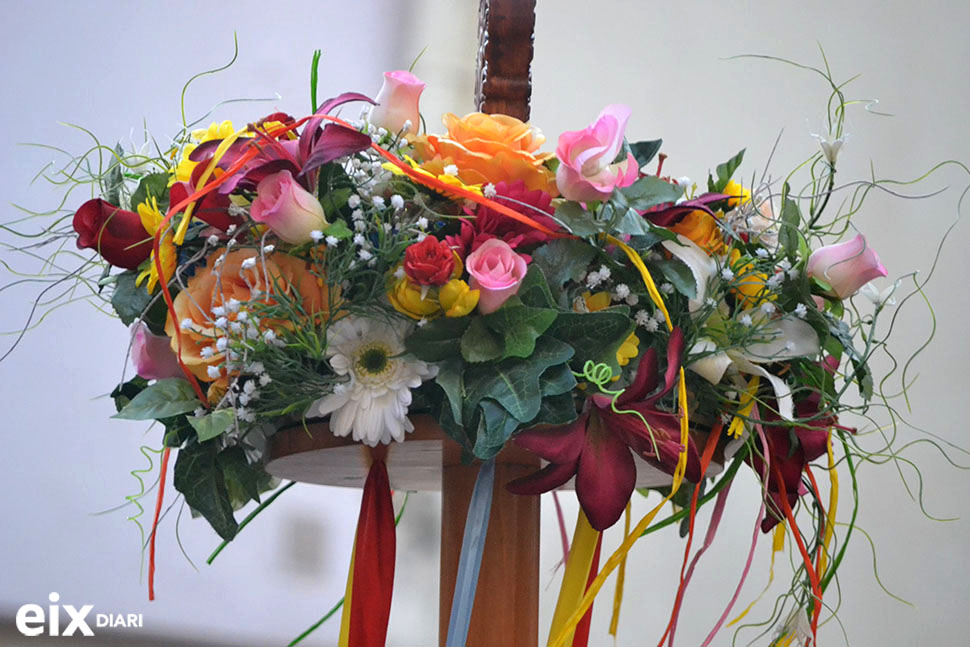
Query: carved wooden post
{"points": [[506, 30]]}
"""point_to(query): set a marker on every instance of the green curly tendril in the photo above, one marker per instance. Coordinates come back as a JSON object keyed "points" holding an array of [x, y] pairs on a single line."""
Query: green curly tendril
{"points": [[600, 374]]}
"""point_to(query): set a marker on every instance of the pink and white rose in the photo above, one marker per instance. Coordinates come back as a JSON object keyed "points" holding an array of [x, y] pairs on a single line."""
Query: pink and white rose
{"points": [[846, 266], [397, 103], [289, 210], [152, 355], [497, 271], [587, 171]]}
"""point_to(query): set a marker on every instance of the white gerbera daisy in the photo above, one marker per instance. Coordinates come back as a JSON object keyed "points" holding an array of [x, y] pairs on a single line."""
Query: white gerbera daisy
{"points": [[373, 404]]}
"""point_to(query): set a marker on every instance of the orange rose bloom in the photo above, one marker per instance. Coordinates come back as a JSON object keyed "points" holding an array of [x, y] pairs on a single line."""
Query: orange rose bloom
{"points": [[488, 149], [214, 286], [701, 228]]}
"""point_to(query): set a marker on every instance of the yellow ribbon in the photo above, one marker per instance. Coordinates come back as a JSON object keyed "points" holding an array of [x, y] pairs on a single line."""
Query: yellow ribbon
{"points": [[617, 557], [744, 409], [833, 504], [343, 640], [575, 576], [620, 576]]}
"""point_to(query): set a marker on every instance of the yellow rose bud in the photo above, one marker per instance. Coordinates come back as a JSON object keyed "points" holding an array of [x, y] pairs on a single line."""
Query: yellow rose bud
{"points": [[701, 227], [739, 195], [750, 287], [408, 299], [598, 301], [457, 298]]}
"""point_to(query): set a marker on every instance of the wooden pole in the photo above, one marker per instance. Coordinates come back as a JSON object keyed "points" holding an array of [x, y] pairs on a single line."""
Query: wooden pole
{"points": [[506, 609]]}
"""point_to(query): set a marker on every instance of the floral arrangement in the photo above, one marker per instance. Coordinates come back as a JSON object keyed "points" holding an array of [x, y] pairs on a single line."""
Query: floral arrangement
{"points": [[625, 326]]}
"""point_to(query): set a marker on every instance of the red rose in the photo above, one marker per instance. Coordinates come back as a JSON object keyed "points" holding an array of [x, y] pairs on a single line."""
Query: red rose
{"points": [[430, 262], [116, 234]]}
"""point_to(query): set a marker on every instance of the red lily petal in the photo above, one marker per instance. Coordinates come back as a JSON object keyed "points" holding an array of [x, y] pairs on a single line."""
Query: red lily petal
{"points": [[548, 478], [560, 444], [335, 142], [606, 477], [675, 350], [645, 380]]}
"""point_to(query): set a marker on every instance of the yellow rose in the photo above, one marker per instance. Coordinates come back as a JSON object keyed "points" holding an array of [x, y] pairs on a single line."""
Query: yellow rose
{"points": [[750, 287], [457, 298], [488, 149], [739, 194], [409, 299]]}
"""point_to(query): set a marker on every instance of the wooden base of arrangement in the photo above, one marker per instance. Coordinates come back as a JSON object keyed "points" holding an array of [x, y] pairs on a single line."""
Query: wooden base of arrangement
{"points": [[507, 602]]}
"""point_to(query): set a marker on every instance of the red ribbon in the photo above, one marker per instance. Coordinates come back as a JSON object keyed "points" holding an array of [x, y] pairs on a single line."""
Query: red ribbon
{"points": [[373, 575], [581, 637]]}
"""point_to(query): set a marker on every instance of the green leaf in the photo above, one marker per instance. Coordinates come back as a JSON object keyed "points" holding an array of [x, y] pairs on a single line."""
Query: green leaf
{"points": [[725, 172], [631, 223], [154, 185], [335, 187], [449, 378], [129, 300], [241, 478], [563, 260], [788, 233], [115, 180], [495, 427], [517, 327], [123, 393], [514, 382], [200, 480], [862, 374], [577, 220], [555, 410], [479, 344], [438, 340], [645, 151], [680, 276], [209, 426], [165, 398], [649, 191], [556, 380], [338, 229], [534, 291], [595, 336]]}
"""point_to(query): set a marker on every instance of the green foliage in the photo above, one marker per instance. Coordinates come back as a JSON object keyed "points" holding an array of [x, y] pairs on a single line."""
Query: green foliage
{"points": [[724, 173], [595, 336], [131, 302], [648, 192], [438, 340], [680, 276], [114, 181], [154, 185], [165, 398], [562, 260], [510, 331], [335, 187], [213, 424], [124, 393], [200, 479], [645, 151], [862, 375], [577, 220], [243, 481], [789, 236]]}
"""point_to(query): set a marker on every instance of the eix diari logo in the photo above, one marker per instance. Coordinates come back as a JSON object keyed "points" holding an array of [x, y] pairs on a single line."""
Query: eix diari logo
{"points": [[33, 618]]}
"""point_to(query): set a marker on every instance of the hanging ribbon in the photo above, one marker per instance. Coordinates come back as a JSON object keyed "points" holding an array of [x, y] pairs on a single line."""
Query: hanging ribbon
{"points": [[470, 562], [620, 575], [581, 639], [367, 604], [575, 580]]}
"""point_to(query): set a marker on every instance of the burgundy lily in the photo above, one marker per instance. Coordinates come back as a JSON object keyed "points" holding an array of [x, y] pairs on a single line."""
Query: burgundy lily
{"points": [[668, 215], [790, 459], [595, 448]]}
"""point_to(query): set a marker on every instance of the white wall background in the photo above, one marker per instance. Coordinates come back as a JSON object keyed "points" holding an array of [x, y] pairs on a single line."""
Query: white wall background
{"points": [[109, 65]]}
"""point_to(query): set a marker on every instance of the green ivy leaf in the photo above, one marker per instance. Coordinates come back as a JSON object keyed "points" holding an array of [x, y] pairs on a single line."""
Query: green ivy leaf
{"points": [[242, 479], [577, 220], [214, 424], [479, 344], [165, 398], [645, 151], [595, 336], [154, 185], [556, 380], [555, 410], [123, 393], [200, 480], [495, 427], [534, 290], [563, 260], [129, 300], [517, 327], [680, 276], [438, 340], [449, 378], [514, 382], [647, 192]]}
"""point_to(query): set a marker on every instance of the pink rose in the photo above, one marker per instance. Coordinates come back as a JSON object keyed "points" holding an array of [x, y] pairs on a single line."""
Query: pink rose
{"points": [[586, 169], [497, 271], [846, 266], [288, 209], [152, 355], [397, 103]]}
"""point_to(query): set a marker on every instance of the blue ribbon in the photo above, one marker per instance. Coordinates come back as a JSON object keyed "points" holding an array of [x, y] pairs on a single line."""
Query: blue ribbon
{"points": [[470, 562]]}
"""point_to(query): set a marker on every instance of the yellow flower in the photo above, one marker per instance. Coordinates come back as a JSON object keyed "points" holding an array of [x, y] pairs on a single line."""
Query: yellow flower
{"points": [[750, 287], [151, 220], [739, 194], [183, 170], [701, 227], [411, 300], [457, 298], [630, 346]]}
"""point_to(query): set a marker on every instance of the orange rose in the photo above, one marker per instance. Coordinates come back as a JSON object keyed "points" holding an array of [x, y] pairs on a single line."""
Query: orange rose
{"points": [[701, 228], [488, 149], [221, 287]]}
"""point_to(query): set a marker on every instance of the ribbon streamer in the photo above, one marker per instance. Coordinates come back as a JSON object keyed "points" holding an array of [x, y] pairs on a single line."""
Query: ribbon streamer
{"points": [[367, 606], [581, 639], [575, 581], [470, 561]]}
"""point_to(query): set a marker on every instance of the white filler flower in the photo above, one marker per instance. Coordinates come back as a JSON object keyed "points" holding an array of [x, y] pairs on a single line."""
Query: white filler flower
{"points": [[373, 405]]}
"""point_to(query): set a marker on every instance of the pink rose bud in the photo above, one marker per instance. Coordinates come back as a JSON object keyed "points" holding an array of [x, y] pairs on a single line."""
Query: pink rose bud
{"points": [[397, 103], [586, 169], [288, 209], [846, 266], [497, 271], [152, 355]]}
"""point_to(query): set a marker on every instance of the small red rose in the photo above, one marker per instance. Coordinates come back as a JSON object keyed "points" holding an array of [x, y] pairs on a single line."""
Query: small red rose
{"points": [[430, 262]]}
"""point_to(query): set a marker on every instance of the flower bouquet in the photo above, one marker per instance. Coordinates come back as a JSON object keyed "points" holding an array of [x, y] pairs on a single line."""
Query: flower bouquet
{"points": [[628, 328]]}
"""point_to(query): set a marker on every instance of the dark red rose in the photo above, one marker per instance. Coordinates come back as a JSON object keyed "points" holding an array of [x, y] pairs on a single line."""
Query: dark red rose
{"points": [[430, 262], [116, 234]]}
